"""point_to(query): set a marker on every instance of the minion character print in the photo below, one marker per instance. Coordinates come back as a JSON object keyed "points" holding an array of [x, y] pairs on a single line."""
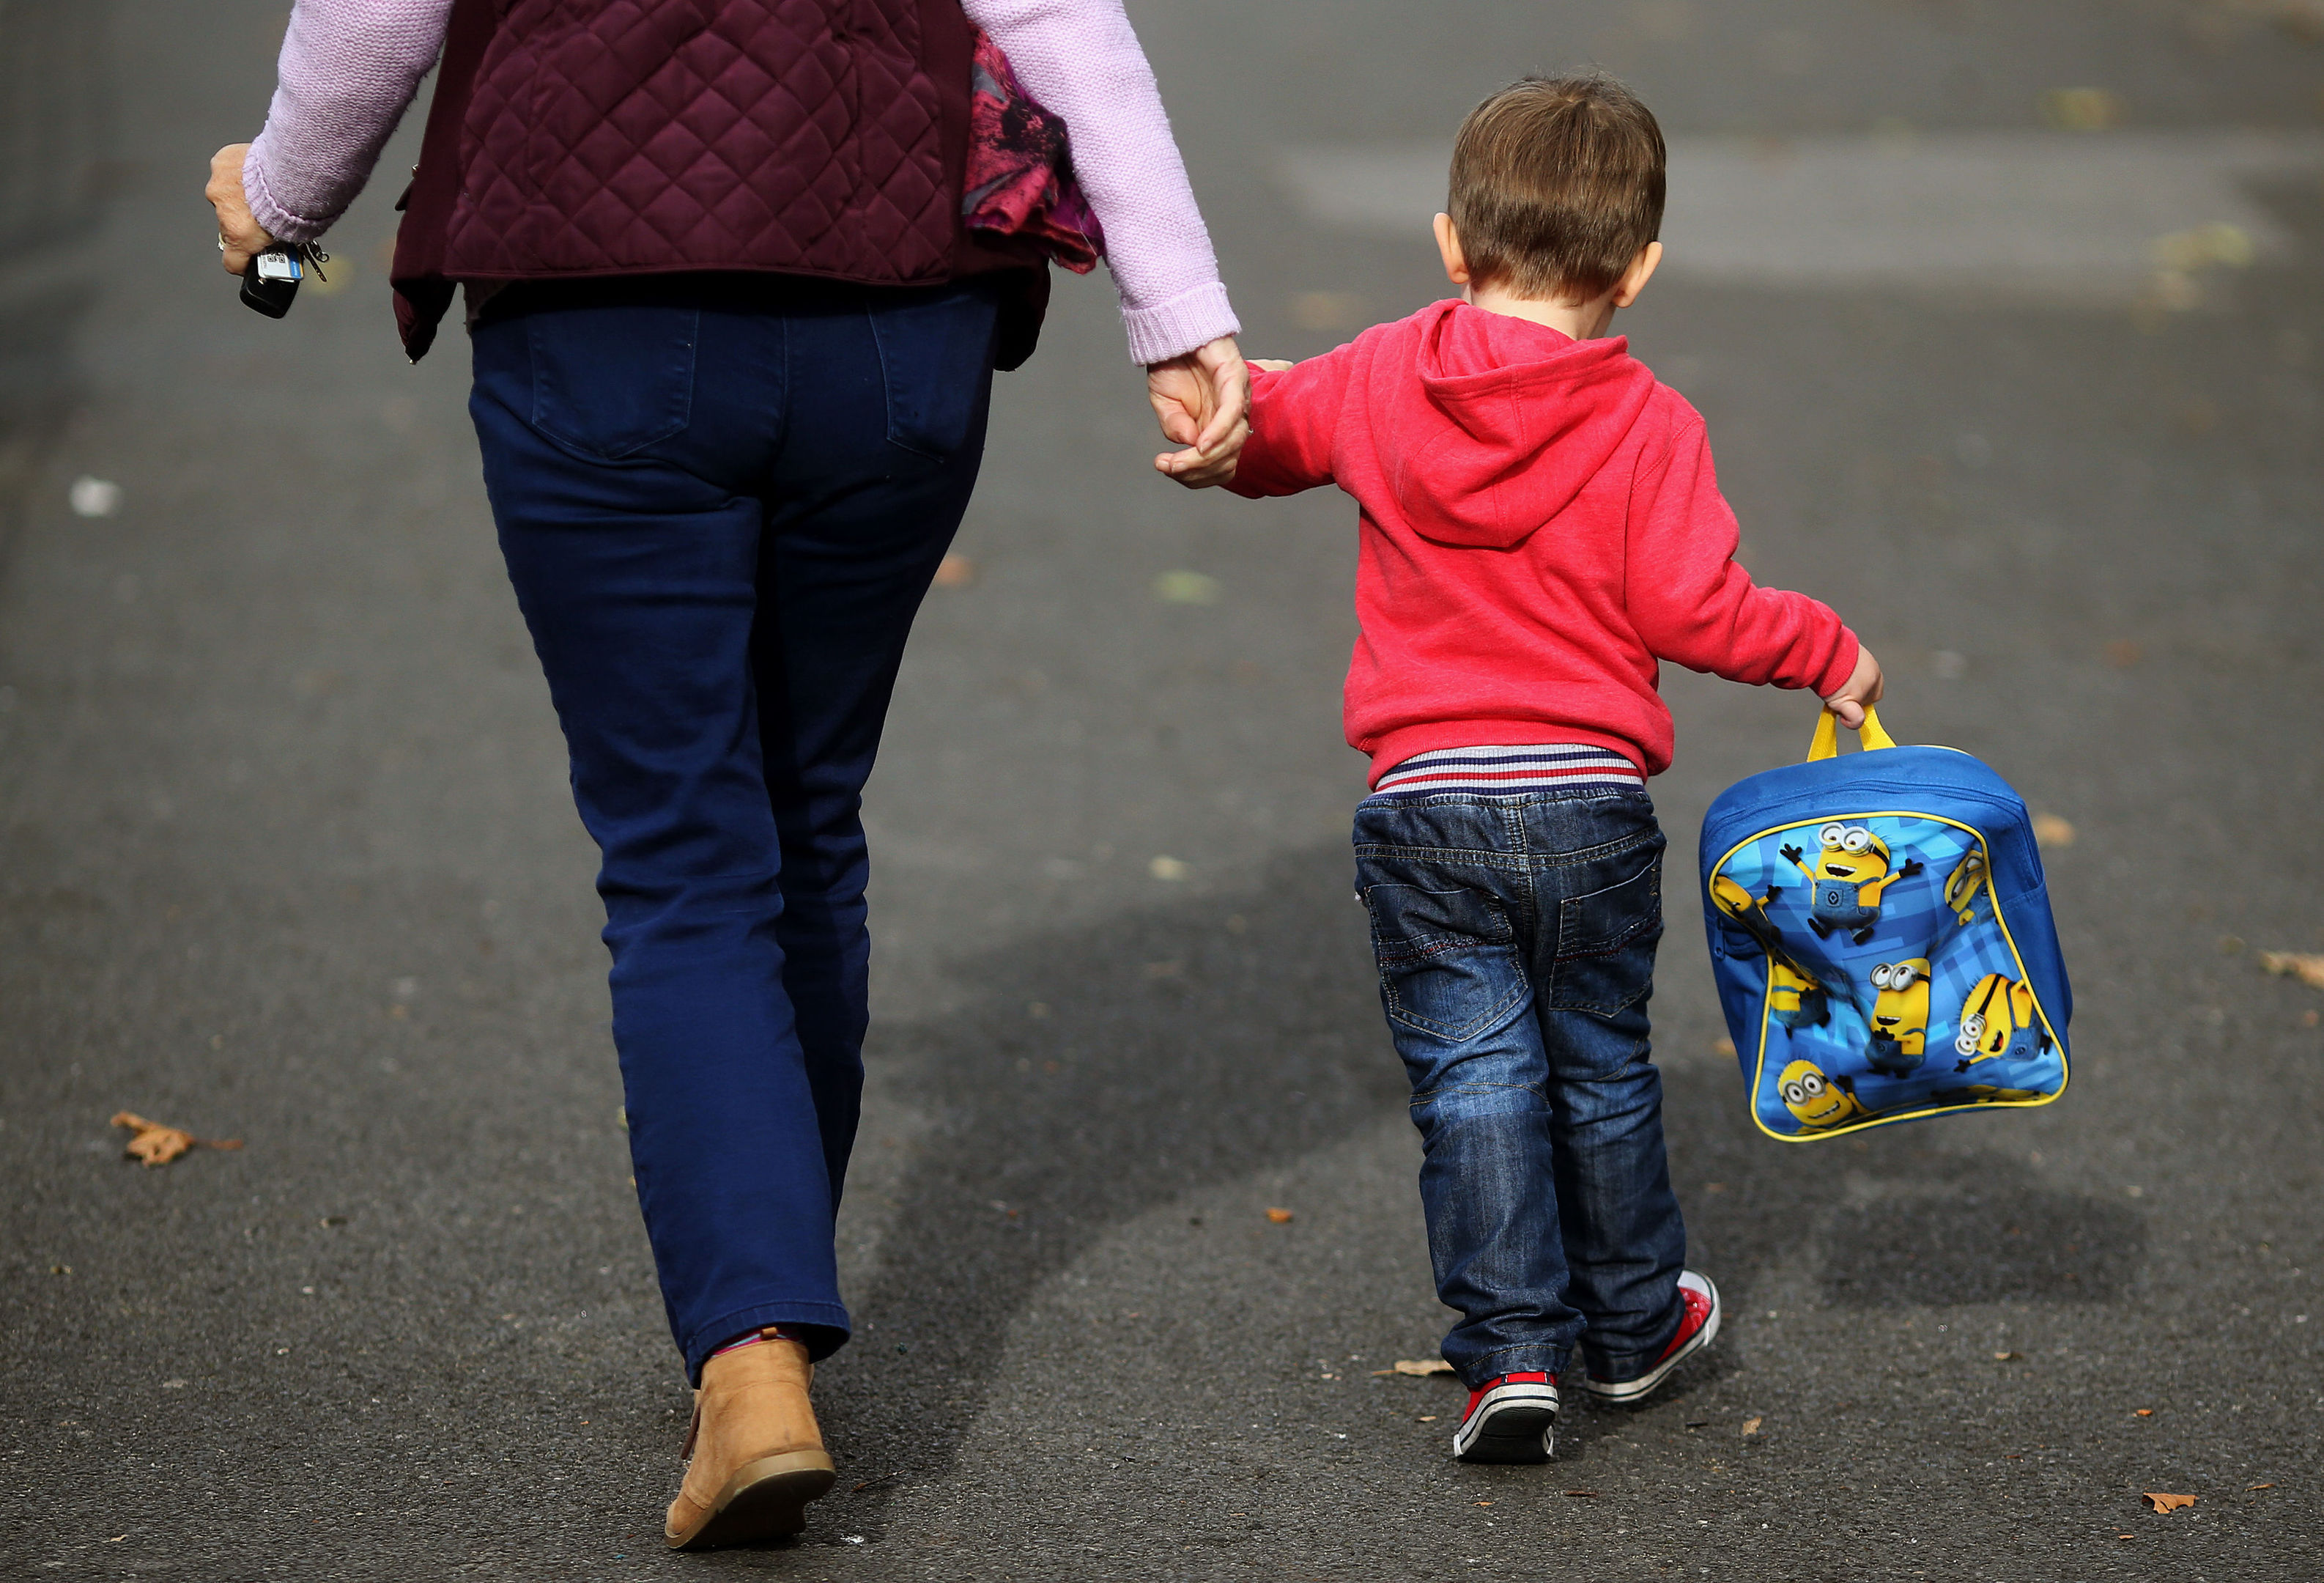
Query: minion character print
{"points": [[1851, 872], [1816, 1099], [1965, 884], [1794, 997], [1856, 1002], [1997, 1019], [1900, 1018]]}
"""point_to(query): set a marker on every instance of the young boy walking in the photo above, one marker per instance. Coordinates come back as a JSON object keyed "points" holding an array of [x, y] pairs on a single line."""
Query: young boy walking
{"points": [[1540, 526]]}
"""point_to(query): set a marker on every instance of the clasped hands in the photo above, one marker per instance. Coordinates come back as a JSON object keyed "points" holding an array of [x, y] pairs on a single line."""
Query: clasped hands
{"points": [[1202, 398]]}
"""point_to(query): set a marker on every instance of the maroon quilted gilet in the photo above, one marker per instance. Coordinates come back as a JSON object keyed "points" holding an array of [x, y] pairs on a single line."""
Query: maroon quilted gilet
{"points": [[609, 137]]}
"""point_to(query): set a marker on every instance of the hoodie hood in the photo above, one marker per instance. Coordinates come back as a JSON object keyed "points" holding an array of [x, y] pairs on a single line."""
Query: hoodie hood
{"points": [[1515, 418]]}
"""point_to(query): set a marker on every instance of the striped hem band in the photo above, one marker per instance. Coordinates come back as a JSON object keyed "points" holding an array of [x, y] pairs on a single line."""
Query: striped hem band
{"points": [[1509, 770]]}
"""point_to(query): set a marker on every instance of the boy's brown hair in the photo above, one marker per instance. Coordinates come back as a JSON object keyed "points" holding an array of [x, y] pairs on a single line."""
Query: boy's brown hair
{"points": [[1557, 184]]}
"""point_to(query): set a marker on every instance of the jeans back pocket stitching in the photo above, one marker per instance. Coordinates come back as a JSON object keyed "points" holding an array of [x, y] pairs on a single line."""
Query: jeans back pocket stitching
{"points": [[1642, 933], [1385, 955], [674, 425]]}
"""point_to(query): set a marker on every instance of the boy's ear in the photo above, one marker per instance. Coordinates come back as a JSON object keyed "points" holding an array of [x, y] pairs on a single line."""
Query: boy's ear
{"points": [[1448, 244], [1635, 278]]}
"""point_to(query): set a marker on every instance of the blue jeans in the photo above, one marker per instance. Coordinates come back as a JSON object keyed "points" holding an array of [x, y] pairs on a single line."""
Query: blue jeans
{"points": [[1516, 939], [720, 501]]}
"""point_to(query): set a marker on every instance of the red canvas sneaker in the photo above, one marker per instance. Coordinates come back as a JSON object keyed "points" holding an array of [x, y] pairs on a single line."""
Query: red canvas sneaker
{"points": [[1511, 1418], [1698, 1323]]}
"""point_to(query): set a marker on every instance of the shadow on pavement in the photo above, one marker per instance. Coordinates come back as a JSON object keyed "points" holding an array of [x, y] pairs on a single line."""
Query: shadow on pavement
{"points": [[2005, 1243], [1094, 1074], [1098, 1073]]}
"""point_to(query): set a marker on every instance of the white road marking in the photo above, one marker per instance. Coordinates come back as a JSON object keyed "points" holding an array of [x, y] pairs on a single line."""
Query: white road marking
{"points": [[2083, 219]]}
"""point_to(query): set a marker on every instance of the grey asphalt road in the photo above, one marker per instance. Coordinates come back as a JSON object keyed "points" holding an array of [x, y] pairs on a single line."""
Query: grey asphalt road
{"points": [[286, 856]]}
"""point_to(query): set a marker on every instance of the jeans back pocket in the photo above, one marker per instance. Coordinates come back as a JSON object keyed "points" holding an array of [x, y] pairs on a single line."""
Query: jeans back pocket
{"points": [[1448, 959], [935, 359], [611, 380], [1606, 935]]}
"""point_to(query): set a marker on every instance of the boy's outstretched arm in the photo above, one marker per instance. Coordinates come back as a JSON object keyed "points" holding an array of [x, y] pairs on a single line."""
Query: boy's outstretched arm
{"points": [[1692, 604], [1294, 423]]}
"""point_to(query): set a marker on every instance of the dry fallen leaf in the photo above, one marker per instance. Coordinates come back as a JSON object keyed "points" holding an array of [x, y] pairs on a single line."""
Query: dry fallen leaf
{"points": [[2249, 1487], [2163, 1502], [1586, 1495], [155, 1144], [955, 572], [1751, 1425], [1319, 310], [2308, 966], [2050, 830], [1425, 1418], [2144, 1411], [2005, 1357], [2082, 109], [1417, 1365], [1280, 1216], [1186, 588], [1722, 1047]]}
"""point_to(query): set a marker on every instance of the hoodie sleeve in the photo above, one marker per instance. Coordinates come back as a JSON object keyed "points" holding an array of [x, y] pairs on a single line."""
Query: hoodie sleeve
{"points": [[1693, 606], [1293, 426]]}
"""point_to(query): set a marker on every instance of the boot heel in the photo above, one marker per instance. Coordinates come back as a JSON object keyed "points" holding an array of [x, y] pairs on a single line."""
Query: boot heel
{"points": [[764, 1499]]}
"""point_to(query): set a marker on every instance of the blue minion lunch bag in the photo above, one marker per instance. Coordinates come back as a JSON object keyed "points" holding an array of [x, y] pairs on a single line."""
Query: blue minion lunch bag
{"points": [[1882, 940]]}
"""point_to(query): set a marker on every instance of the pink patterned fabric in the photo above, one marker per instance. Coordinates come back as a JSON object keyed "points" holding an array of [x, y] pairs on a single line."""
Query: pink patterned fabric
{"points": [[350, 68], [1020, 176]]}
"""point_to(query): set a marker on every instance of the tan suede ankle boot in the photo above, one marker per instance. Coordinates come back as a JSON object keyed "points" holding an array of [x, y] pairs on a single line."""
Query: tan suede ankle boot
{"points": [[757, 1457]]}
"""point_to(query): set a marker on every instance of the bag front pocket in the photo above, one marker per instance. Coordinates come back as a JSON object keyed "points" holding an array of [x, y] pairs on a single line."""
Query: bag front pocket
{"points": [[1883, 985], [1448, 959]]}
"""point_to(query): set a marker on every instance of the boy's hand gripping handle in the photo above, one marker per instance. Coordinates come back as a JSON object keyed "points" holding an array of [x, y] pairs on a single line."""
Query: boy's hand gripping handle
{"points": [[1826, 742]]}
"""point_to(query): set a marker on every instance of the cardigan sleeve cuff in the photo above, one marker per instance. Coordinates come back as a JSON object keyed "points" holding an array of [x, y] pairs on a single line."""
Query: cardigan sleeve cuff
{"points": [[280, 223], [1190, 319]]}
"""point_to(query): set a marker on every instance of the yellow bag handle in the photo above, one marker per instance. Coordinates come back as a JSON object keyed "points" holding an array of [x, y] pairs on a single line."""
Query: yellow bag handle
{"points": [[1826, 741]]}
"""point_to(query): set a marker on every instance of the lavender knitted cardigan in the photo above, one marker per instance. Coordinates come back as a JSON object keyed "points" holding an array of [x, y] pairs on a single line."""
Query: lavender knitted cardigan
{"points": [[350, 68]]}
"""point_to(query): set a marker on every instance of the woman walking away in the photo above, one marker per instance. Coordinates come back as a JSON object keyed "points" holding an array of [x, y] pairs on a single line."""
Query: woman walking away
{"points": [[737, 277]]}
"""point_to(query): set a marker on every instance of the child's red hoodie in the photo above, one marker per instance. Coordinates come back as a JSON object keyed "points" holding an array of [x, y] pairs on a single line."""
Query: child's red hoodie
{"points": [[1540, 526]]}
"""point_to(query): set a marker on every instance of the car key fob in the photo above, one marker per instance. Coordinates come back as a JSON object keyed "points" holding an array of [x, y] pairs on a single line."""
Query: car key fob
{"points": [[270, 281]]}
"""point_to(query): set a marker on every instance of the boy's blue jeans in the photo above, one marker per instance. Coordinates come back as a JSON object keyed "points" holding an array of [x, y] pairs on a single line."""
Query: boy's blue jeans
{"points": [[720, 501], [1516, 941]]}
